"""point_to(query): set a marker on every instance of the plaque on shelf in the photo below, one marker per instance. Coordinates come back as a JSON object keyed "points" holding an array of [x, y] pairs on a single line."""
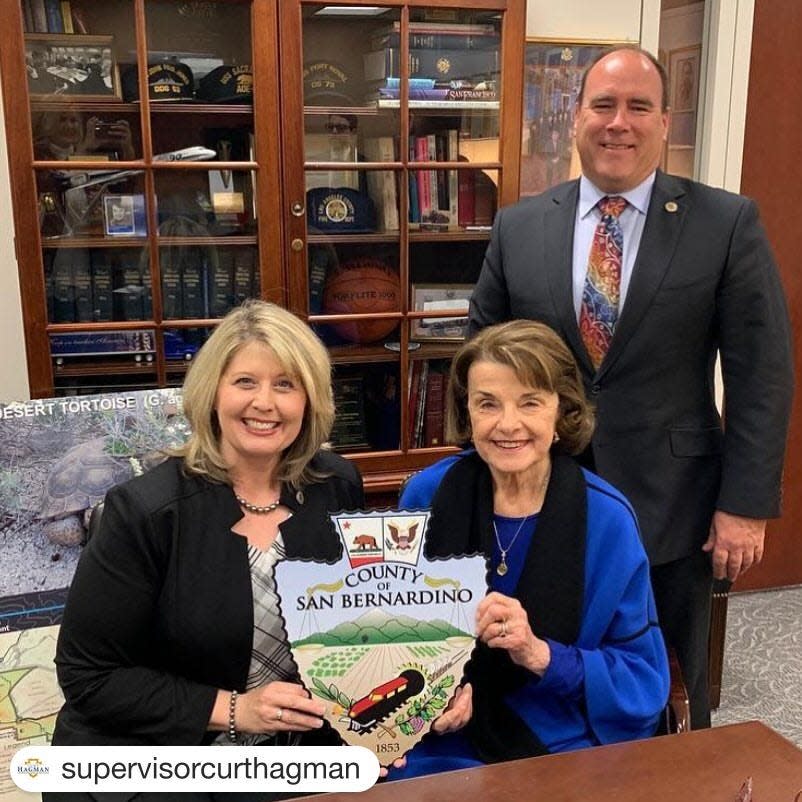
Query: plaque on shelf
{"points": [[349, 430], [137, 343]]}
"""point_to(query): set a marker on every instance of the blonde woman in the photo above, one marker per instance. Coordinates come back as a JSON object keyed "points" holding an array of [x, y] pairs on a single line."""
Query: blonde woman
{"points": [[171, 632]]}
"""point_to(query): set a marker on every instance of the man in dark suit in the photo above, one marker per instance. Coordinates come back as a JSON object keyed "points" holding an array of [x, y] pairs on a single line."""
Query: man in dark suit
{"points": [[693, 277]]}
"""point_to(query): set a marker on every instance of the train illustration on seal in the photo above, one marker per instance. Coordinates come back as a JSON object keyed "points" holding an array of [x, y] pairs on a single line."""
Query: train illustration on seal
{"points": [[369, 711]]}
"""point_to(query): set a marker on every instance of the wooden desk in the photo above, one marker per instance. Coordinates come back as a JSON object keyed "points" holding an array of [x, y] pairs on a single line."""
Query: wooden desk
{"points": [[697, 766]]}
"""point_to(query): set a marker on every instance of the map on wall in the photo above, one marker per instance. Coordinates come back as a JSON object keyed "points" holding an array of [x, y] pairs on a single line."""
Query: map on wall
{"points": [[30, 696], [383, 634]]}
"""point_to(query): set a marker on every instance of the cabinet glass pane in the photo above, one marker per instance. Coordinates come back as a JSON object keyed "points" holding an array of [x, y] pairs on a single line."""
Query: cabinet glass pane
{"points": [[74, 55], [200, 80], [103, 361], [359, 282], [471, 199], [454, 83], [342, 122], [180, 346], [338, 50], [206, 280], [368, 407], [95, 204], [205, 203], [99, 285]]}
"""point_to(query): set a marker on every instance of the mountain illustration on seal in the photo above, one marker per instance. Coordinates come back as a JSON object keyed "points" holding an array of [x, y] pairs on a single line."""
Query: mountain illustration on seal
{"points": [[376, 627]]}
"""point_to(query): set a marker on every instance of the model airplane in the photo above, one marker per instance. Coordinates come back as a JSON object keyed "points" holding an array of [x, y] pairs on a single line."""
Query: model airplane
{"points": [[88, 178]]}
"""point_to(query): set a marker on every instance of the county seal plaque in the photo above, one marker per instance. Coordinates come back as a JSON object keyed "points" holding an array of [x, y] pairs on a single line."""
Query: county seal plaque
{"points": [[382, 635]]}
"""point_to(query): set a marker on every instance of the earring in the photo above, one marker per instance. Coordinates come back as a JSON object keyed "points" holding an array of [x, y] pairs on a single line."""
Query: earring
{"points": [[555, 439]]}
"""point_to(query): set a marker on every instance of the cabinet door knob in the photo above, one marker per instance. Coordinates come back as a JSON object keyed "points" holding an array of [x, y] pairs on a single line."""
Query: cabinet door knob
{"points": [[297, 244], [297, 209]]}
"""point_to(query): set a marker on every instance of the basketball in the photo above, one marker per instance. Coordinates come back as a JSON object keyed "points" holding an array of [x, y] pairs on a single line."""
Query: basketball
{"points": [[359, 286]]}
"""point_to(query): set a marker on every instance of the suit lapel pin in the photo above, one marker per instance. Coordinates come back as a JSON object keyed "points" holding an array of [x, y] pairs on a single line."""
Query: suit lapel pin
{"points": [[671, 207]]}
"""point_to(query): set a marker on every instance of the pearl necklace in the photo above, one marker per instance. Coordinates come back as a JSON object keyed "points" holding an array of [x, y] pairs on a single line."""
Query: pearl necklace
{"points": [[255, 508], [502, 568]]}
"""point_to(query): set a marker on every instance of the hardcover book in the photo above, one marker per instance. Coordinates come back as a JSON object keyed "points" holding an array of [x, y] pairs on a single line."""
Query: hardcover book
{"points": [[82, 281], [443, 65], [221, 283], [172, 305], [194, 302], [102, 289]]}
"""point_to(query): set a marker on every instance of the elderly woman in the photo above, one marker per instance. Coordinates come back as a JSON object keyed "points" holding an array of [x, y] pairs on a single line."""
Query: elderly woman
{"points": [[171, 632], [569, 653]]}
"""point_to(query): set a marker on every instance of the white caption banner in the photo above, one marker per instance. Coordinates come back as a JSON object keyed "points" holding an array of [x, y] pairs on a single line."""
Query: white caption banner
{"points": [[190, 768]]}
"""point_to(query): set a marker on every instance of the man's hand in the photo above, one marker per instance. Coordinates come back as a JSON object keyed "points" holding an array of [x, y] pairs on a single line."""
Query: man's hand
{"points": [[736, 544]]}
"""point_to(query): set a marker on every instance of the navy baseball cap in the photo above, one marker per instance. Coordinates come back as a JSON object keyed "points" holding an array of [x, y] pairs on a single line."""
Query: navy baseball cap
{"points": [[167, 80], [231, 83], [340, 209]]}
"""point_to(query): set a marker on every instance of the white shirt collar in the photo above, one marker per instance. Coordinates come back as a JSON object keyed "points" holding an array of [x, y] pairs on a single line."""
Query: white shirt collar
{"points": [[638, 198]]}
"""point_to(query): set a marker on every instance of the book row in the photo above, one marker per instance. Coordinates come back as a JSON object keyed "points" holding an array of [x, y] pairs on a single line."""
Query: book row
{"points": [[447, 198], [426, 396], [51, 16], [433, 35], [85, 286]]}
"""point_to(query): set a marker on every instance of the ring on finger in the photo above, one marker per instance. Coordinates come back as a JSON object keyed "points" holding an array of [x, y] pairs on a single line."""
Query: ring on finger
{"points": [[279, 714]]}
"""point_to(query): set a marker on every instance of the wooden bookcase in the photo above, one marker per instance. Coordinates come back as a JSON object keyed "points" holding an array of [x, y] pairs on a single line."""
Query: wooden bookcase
{"points": [[314, 187]]}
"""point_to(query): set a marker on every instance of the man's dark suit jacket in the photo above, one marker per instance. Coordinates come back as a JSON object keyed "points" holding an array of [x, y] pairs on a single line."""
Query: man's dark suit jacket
{"points": [[704, 280]]}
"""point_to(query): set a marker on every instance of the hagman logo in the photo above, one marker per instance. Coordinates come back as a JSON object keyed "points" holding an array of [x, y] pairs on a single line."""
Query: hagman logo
{"points": [[33, 767]]}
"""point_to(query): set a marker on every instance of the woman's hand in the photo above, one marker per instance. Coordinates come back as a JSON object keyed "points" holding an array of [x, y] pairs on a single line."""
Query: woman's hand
{"points": [[458, 713], [101, 135], [278, 707], [119, 137], [90, 141], [398, 763], [502, 623]]}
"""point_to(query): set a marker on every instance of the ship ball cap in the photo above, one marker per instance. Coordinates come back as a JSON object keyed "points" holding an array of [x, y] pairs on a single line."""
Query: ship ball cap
{"points": [[231, 83], [167, 80]]}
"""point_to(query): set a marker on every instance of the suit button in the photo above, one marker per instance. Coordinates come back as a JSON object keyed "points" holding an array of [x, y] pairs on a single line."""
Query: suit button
{"points": [[595, 390]]}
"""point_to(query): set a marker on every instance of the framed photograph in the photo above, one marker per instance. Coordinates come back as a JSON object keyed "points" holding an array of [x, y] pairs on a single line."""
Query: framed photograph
{"points": [[71, 66], [552, 74], [124, 215], [436, 298], [683, 75]]}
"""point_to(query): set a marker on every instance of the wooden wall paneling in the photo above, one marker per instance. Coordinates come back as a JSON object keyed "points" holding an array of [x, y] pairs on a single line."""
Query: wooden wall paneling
{"points": [[772, 175]]}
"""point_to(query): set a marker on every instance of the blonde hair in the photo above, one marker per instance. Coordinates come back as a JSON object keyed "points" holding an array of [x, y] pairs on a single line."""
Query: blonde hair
{"points": [[299, 352], [539, 359]]}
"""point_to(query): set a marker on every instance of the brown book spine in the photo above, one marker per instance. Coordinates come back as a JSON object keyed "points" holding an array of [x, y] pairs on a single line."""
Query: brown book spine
{"points": [[433, 420]]}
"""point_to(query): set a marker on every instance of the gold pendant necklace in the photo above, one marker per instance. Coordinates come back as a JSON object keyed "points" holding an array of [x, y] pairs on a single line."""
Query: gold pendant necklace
{"points": [[502, 568]]}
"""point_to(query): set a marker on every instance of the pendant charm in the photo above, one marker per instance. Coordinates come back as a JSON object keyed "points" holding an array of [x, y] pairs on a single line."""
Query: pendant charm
{"points": [[502, 568]]}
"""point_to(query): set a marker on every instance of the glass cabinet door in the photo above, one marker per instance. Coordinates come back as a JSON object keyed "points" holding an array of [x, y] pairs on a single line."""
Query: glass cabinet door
{"points": [[398, 177], [147, 180]]}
